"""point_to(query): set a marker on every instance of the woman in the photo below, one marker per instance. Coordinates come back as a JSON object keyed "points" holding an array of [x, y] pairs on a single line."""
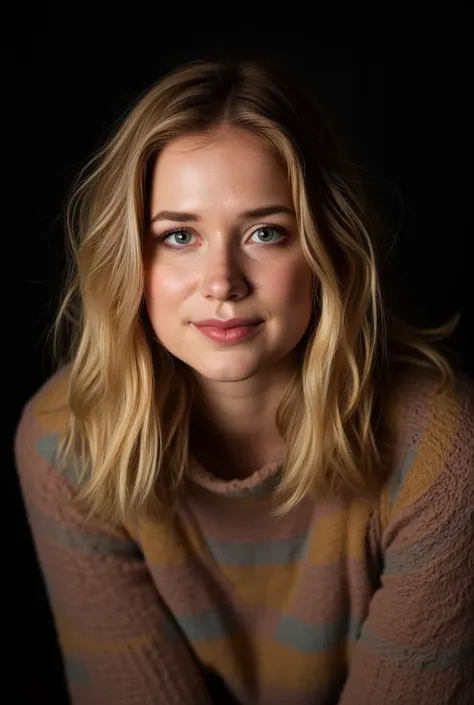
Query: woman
{"points": [[250, 482]]}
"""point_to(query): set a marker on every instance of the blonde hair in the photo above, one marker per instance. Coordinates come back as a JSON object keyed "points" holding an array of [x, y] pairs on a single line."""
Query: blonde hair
{"points": [[129, 400]]}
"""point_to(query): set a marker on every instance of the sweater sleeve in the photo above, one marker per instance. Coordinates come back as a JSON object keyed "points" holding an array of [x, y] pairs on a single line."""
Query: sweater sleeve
{"points": [[416, 646], [117, 641]]}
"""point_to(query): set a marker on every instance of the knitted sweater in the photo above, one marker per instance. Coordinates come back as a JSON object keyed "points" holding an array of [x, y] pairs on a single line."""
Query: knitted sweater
{"points": [[354, 602]]}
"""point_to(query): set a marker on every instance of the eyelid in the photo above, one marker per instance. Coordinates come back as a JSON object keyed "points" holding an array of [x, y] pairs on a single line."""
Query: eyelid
{"points": [[278, 228], [171, 231], [163, 236]]}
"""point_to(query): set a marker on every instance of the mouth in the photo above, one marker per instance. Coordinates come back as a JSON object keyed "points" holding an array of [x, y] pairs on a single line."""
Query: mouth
{"points": [[227, 323], [229, 335]]}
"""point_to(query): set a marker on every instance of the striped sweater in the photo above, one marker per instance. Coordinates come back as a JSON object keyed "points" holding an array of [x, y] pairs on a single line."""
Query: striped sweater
{"points": [[352, 602]]}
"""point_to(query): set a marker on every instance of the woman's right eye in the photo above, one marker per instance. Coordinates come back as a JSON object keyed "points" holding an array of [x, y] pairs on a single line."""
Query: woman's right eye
{"points": [[180, 238]]}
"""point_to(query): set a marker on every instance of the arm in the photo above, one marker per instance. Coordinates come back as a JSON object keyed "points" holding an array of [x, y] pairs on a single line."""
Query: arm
{"points": [[113, 630], [416, 646]]}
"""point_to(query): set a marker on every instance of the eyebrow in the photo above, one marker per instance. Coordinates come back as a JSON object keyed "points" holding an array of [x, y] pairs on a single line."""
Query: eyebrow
{"points": [[261, 212]]}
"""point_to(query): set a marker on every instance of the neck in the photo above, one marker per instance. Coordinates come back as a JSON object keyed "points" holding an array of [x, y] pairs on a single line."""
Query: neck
{"points": [[233, 424]]}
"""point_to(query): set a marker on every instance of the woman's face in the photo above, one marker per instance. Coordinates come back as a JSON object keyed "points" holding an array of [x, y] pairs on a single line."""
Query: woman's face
{"points": [[232, 250]]}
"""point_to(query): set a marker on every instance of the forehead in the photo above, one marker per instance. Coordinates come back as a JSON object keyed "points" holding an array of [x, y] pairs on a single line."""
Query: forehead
{"points": [[228, 164]]}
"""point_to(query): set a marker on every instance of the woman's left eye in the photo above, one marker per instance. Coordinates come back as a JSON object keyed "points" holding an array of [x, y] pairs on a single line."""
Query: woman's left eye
{"points": [[266, 234]]}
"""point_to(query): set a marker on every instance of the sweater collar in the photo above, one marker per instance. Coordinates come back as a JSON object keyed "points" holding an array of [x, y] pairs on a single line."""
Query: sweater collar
{"points": [[260, 483]]}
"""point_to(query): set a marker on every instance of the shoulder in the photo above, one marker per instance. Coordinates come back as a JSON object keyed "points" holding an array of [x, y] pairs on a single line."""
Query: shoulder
{"points": [[433, 443], [48, 408], [416, 398], [44, 421], [49, 487]]}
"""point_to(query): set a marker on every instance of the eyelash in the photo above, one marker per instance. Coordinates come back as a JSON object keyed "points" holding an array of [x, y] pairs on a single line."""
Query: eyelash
{"points": [[277, 228]]}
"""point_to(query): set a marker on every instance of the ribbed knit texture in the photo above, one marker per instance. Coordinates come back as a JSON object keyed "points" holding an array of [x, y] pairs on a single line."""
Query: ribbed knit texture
{"points": [[352, 602]]}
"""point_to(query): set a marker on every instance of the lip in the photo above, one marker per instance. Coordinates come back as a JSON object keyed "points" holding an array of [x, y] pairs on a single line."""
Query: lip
{"points": [[229, 335], [228, 323]]}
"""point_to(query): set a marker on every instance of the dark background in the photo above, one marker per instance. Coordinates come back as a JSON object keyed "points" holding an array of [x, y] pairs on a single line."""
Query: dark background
{"points": [[396, 82]]}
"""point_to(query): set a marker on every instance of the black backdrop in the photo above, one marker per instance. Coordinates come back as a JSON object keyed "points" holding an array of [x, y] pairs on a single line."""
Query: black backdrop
{"points": [[396, 83]]}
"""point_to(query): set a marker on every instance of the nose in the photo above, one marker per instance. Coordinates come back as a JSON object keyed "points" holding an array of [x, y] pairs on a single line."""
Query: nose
{"points": [[223, 276]]}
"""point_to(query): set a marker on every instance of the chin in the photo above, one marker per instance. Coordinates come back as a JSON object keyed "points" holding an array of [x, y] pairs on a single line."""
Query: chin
{"points": [[226, 373]]}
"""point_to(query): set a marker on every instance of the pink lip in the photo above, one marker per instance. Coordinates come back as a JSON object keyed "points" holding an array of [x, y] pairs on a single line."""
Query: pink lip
{"points": [[229, 323], [229, 335]]}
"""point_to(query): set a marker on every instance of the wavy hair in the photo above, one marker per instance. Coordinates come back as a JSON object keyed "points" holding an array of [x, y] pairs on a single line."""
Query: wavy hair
{"points": [[129, 401]]}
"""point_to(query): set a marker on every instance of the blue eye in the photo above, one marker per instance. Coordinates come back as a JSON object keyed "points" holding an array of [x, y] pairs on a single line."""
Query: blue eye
{"points": [[182, 237], [265, 235], [179, 235]]}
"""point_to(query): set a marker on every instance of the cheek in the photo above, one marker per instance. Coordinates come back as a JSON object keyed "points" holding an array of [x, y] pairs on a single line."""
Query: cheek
{"points": [[292, 286], [164, 285]]}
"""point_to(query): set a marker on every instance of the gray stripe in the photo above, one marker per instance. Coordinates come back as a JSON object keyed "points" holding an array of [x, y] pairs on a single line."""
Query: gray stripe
{"points": [[47, 447], [254, 553], [83, 542], [399, 477], [420, 553], [76, 671], [214, 624], [315, 638], [415, 656]]}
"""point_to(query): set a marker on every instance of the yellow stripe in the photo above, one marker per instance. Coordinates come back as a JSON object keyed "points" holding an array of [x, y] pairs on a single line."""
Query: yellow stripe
{"points": [[327, 543], [270, 663], [51, 405], [357, 521], [282, 665], [433, 450], [164, 544], [385, 507], [265, 585], [340, 533]]}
